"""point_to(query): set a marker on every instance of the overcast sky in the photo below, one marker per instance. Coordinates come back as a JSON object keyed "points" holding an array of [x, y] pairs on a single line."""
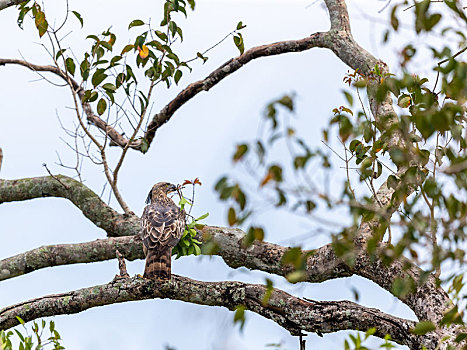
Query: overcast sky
{"points": [[198, 142]]}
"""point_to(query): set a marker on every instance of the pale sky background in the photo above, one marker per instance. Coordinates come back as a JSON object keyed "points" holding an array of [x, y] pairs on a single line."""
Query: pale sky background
{"points": [[201, 136]]}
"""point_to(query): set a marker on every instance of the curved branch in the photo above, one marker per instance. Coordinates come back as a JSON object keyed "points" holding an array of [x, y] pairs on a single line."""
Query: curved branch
{"points": [[290, 312], [229, 67], [39, 68], [87, 201]]}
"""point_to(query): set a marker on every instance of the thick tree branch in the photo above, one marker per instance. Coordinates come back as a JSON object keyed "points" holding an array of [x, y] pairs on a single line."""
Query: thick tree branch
{"points": [[338, 15], [87, 201], [66, 254], [292, 313], [321, 266]]}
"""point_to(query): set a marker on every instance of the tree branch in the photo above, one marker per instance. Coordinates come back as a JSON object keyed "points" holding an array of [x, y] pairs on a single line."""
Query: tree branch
{"points": [[87, 201], [292, 313], [229, 67], [66, 254], [7, 3]]}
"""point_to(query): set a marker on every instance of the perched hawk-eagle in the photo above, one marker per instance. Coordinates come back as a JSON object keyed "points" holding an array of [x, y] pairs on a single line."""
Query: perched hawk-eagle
{"points": [[162, 226]]}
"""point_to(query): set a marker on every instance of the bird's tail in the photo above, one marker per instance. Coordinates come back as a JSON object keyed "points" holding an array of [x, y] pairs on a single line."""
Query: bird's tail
{"points": [[158, 264]]}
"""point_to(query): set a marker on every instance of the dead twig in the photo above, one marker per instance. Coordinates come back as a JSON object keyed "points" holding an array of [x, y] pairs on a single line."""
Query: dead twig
{"points": [[121, 267], [56, 178]]}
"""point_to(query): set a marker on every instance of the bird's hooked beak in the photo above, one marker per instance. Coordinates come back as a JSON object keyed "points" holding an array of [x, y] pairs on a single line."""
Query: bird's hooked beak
{"points": [[172, 188]]}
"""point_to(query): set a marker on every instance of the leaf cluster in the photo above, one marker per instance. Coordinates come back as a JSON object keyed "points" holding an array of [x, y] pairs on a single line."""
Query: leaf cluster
{"points": [[36, 341]]}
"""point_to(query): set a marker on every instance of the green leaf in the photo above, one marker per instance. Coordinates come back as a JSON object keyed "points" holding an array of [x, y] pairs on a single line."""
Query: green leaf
{"points": [[238, 40], [402, 287], [345, 127], [349, 97], [296, 276], [200, 55], [268, 293], [423, 327], [59, 53], [239, 316], [80, 19], [404, 101], [93, 96], [41, 23], [161, 35], [353, 145], [173, 27], [377, 70], [84, 69], [431, 21], [240, 152], [294, 257], [394, 20], [232, 216], [70, 66], [109, 86], [19, 335], [93, 37], [177, 76], [286, 101], [127, 48], [202, 217], [135, 23], [101, 106], [461, 337], [107, 45], [398, 156], [240, 25], [98, 77]]}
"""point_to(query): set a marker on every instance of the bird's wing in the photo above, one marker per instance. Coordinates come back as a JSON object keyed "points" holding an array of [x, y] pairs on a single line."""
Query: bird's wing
{"points": [[162, 226]]}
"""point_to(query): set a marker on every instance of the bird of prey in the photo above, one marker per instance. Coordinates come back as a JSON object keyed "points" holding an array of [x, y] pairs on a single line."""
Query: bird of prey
{"points": [[163, 224]]}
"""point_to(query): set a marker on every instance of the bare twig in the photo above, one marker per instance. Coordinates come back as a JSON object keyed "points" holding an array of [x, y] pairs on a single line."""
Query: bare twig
{"points": [[121, 266], [56, 178]]}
